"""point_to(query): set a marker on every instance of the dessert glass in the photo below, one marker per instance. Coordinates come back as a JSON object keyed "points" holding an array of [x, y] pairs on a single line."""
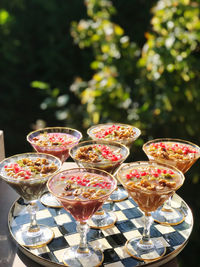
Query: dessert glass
{"points": [[54, 141], [124, 134], [149, 184], [180, 154], [27, 174], [104, 155], [82, 191]]}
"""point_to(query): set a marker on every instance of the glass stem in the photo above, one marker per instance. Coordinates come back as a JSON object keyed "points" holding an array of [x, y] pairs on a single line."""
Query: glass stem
{"points": [[32, 209], [167, 207], [82, 228], [146, 240]]}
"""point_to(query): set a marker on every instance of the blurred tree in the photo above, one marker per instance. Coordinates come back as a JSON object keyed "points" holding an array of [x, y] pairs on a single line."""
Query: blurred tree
{"points": [[171, 74], [39, 62], [153, 91], [106, 96]]}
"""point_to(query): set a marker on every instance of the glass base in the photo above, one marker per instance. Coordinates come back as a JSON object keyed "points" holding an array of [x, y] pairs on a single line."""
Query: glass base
{"points": [[146, 252], [49, 200], [120, 194], [169, 216], [102, 220], [34, 239], [91, 259]]}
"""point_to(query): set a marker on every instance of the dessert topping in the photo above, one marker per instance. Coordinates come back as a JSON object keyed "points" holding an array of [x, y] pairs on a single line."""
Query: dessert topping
{"points": [[98, 153]]}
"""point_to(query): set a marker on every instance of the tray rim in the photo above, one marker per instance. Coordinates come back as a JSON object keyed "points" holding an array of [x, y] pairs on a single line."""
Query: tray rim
{"points": [[156, 263]]}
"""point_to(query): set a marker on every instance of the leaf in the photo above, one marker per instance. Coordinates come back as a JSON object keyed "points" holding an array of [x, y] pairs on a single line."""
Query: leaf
{"points": [[40, 85], [4, 16]]}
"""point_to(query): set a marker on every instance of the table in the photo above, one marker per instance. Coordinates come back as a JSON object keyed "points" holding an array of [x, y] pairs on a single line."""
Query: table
{"points": [[10, 255]]}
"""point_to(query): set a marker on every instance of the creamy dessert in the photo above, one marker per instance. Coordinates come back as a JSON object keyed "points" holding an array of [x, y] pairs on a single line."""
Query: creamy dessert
{"points": [[181, 154], [99, 154], [150, 184], [82, 193], [55, 141], [28, 173], [122, 133]]}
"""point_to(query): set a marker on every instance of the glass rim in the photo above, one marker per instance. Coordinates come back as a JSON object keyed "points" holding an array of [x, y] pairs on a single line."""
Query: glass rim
{"points": [[78, 169], [182, 141], [107, 143], [152, 162], [52, 128], [5, 178], [170, 140]]}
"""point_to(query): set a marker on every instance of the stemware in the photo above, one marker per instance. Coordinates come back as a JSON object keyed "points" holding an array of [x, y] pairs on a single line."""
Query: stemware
{"points": [[180, 154], [55, 141], [104, 155], [82, 191], [27, 174], [149, 184], [124, 134]]}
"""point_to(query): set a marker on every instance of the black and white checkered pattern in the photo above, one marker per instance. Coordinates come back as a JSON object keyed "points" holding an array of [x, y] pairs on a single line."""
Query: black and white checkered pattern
{"points": [[111, 241]]}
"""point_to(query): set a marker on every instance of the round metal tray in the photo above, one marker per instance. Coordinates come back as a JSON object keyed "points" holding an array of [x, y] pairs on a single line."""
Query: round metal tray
{"points": [[111, 241]]}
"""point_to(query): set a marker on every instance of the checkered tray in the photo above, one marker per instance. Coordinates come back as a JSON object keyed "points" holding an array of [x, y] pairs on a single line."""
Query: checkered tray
{"points": [[111, 241]]}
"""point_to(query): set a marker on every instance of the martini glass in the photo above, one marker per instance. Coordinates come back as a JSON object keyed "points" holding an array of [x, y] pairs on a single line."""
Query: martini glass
{"points": [[180, 154], [27, 174], [55, 141], [104, 155], [149, 184], [82, 191], [122, 133]]}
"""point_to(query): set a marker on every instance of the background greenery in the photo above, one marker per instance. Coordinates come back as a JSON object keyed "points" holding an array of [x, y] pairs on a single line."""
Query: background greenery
{"points": [[77, 63]]}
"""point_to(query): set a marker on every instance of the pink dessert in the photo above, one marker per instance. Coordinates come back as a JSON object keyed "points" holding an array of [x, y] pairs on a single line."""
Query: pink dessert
{"points": [[54, 142], [81, 193]]}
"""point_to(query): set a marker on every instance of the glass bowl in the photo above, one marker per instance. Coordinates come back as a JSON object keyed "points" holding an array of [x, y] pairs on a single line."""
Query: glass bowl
{"points": [[107, 156], [104, 155], [178, 153], [122, 133], [54, 140], [150, 184], [26, 179], [28, 174], [82, 191]]}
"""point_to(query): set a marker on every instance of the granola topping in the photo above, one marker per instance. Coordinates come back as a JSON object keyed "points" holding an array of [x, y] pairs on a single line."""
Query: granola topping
{"points": [[54, 139], [27, 168], [172, 151], [82, 186], [151, 178], [98, 153], [114, 132]]}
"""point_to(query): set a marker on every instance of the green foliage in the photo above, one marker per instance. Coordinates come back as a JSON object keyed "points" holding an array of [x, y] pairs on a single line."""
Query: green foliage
{"points": [[36, 45], [170, 60], [107, 94], [152, 91]]}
